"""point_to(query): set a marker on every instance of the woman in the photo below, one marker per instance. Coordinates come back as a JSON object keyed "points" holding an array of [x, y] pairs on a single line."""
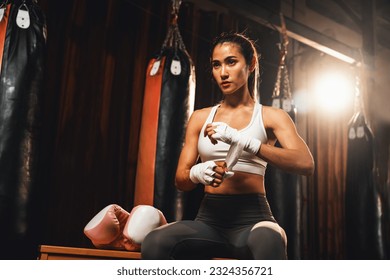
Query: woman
{"points": [[235, 141]]}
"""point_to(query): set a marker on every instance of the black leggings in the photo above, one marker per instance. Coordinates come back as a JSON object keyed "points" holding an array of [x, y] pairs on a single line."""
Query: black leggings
{"points": [[222, 228]]}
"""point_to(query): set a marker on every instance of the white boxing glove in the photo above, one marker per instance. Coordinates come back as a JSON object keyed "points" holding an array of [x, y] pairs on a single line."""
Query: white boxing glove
{"points": [[231, 136], [142, 220], [105, 228], [203, 172]]}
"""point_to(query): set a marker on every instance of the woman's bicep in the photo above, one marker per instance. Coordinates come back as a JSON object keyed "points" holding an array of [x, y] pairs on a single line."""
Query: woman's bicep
{"points": [[189, 152], [285, 131], [188, 156], [294, 155]]}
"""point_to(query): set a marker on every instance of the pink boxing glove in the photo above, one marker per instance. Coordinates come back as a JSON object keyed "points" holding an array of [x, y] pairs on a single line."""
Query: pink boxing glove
{"points": [[105, 229], [143, 219]]}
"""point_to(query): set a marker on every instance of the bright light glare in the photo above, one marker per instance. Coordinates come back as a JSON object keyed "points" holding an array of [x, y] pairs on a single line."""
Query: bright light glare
{"points": [[334, 92]]}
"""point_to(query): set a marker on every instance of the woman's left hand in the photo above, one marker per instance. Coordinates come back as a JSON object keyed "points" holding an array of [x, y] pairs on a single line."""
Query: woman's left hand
{"points": [[220, 174], [209, 131], [222, 132]]}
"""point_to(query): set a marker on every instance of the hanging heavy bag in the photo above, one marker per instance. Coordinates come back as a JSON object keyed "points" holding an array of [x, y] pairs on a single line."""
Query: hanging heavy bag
{"points": [[4, 15], [21, 81], [166, 110], [362, 207], [174, 113], [283, 193], [144, 184], [283, 189], [168, 99]]}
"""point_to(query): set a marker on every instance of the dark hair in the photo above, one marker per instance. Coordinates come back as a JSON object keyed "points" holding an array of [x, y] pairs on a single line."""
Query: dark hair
{"points": [[248, 50]]}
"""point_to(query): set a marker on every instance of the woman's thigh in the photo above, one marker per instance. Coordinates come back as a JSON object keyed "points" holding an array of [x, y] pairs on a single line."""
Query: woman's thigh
{"points": [[183, 240]]}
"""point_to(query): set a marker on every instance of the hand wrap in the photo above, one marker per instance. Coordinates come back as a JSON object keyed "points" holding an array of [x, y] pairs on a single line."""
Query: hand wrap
{"points": [[203, 172], [237, 141]]}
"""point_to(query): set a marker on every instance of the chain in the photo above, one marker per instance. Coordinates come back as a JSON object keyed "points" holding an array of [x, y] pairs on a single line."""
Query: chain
{"points": [[173, 38], [282, 68]]}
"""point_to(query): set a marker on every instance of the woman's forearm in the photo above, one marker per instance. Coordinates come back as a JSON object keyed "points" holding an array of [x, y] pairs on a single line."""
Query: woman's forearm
{"points": [[290, 160], [183, 182]]}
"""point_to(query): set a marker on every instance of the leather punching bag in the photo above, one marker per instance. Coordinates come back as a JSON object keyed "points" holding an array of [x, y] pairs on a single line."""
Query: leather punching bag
{"points": [[284, 193], [168, 99], [23, 42], [283, 188], [362, 202]]}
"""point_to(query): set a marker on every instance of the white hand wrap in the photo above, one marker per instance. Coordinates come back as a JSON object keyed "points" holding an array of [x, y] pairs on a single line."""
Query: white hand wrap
{"points": [[203, 172], [231, 136], [237, 141]]}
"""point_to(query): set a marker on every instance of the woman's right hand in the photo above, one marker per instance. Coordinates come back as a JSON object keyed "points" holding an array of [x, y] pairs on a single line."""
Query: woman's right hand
{"points": [[208, 173]]}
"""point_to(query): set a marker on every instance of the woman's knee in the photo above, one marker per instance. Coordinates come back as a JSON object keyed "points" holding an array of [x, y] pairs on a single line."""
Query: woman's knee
{"points": [[268, 243], [157, 245]]}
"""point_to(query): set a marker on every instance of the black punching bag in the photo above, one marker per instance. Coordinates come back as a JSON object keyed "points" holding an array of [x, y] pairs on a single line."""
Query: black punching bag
{"points": [[283, 188], [21, 79], [167, 105], [364, 238], [284, 192]]}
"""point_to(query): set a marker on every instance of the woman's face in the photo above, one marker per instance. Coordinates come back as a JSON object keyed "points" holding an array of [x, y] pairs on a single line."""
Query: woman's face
{"points": [[230, 70]]}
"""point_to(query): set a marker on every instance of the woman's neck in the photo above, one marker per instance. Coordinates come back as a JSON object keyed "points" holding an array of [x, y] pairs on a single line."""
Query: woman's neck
{"points": [[235, 101]]}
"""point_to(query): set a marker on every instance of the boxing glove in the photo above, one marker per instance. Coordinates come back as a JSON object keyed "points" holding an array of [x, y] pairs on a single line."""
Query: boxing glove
{"points": [[106, 227], [142, 220]]}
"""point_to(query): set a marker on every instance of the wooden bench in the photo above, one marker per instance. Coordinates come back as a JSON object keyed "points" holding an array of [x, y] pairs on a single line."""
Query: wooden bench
{"points": [[47, 252]]}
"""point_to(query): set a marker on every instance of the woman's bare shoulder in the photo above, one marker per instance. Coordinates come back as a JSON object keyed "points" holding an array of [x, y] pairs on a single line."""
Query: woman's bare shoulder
{"points": [[198, 118], [271, 110], [201, 115], [274, 116]]}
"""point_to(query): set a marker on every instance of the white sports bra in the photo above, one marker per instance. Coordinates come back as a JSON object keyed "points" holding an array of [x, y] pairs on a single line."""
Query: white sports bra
{"points": [[247, 162]]}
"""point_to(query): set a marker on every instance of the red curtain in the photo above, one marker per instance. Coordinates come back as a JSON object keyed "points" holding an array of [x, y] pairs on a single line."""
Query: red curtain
{"points": [[327, 137], [97, 54], [325, 193]]}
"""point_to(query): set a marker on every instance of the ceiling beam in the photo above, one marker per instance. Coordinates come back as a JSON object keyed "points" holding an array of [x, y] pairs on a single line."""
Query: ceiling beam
{"points": [[295, 30], [349, 12]]}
